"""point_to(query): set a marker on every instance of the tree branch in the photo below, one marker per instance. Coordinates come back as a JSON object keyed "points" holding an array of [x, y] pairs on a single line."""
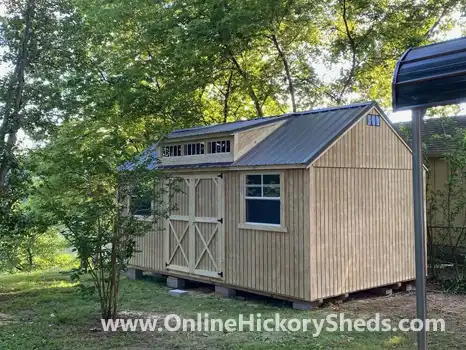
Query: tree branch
{"points": [[244, 75], [286, 66], [12, 120], [353, 47], [227, 97]]}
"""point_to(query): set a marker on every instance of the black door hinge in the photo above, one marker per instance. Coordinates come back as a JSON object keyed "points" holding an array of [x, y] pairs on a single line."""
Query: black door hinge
{"points": [[220, 220], [220, 274], [220, 176]]}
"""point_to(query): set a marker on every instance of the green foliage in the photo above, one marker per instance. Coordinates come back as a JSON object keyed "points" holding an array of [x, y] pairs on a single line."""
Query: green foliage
{"points": [[34, 251], [80, 187], [49, 315], [63, 261], [446, 206], [37, 49], [200, 62], [454, 286], [99, 81]]}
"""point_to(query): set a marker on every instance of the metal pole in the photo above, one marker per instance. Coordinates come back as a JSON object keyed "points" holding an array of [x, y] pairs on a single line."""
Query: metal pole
{"points": [[419, 228]]}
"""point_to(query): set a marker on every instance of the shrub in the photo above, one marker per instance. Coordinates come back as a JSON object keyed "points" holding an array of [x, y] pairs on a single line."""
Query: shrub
{"points": [[34, 250]]}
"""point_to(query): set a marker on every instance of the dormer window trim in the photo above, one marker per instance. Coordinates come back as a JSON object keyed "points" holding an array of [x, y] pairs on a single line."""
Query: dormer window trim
{"points": [[219, 146], [172, 151], [202, 148], [194, 149]]}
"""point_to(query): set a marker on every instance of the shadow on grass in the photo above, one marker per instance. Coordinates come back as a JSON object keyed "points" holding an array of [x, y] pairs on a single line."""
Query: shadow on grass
{"points": [[209, 290], [51, 314]]}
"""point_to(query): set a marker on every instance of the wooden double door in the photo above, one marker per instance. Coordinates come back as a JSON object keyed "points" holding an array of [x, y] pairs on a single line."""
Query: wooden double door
{"points": [[194, 232]]}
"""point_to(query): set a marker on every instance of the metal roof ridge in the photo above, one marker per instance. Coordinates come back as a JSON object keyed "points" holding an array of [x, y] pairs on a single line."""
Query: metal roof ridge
{"points": [[235, 122], [280, 116], [329, 109], [364, 106]]}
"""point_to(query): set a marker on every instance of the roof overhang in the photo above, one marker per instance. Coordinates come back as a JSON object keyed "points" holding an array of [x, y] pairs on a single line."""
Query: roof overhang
{"points": [[431, 75]]}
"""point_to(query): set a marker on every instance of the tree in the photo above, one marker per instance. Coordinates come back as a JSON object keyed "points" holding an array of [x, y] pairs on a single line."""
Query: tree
{"points": [[445, 201], [37, 41], [366, 38], [81, 187], [11, 121], [446, 206]]}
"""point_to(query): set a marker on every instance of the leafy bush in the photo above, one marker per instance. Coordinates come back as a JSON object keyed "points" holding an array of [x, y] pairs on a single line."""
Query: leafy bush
{"points": [[64, 261], [34, 250]]}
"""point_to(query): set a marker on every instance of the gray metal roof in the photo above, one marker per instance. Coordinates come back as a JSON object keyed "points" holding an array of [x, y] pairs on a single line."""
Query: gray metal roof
{"points": [[299, 140], [304, 136], [196, 165], [436, 133], [225, 127]]}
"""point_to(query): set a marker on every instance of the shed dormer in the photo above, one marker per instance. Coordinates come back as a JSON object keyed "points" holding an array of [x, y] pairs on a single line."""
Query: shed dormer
{"points": [[216, 144]]}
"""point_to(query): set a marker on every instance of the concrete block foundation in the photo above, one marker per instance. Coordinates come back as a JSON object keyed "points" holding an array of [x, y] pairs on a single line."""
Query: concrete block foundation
{"points": [[176, 283], [226, 292], [134, 274]]}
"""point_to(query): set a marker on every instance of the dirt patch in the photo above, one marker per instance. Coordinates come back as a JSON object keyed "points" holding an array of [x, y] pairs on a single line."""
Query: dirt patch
{"points": [[450, 307], [404, 304]]}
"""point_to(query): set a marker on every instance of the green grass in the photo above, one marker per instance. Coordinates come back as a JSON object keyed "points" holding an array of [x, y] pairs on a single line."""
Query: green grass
{"points": [[44, 310]]}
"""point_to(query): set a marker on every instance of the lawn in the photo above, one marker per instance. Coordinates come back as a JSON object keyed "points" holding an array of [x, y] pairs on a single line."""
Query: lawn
{"points": [[44, 310]]}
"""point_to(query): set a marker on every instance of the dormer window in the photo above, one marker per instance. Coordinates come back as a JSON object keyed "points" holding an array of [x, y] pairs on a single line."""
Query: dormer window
{"points": [[219, 146], [172, 151], [197, 148], [194, 148]]}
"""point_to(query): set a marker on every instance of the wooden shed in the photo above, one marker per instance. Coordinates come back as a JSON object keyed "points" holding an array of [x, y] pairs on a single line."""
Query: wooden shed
{"points": [[439, 134], [304, 206]]}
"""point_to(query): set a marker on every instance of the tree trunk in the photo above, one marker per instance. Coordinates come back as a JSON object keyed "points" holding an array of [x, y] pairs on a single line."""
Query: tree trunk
{"points": [[227, 97], [251, 92], [29, 258], [12, 117], [353, 47], [286, 66]]}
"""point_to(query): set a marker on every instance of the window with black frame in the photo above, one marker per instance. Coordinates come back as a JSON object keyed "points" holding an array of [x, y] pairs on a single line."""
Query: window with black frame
{"points": [[141, 200], [263, 199]]}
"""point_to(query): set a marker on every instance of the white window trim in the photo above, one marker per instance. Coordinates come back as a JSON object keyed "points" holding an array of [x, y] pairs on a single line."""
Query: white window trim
{"points": [[193, 143], [172, 145], [243, 224], [209, 142], [206, 144]]}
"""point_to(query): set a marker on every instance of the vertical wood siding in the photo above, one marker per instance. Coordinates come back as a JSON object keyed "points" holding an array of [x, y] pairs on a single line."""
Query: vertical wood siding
{"points": [[437, 182], [204, 260], [437, 215], [180, 198], [366, 146], [206, 198], [361, 213], [364, 230], [270, 262], [150, 248], [150, 256]]}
